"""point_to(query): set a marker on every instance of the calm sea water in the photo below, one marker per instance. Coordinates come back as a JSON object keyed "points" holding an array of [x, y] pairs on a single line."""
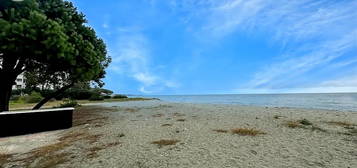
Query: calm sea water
{"points": [[329, 101]]}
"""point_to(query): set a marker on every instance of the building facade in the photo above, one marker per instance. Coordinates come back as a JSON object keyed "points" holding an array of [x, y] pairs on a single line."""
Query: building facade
{"points": [[20, 82]]}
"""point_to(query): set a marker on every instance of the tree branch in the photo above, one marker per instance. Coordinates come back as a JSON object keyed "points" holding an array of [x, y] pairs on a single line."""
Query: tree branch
{"points": [[50, 96]]}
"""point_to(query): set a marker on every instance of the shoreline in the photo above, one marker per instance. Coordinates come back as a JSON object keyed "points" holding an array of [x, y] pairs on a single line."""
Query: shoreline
{"points": [[163, 134], [223, 104]]}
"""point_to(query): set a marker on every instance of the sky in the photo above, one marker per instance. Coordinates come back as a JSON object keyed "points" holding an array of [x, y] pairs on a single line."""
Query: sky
{"points": [[227, 46]]}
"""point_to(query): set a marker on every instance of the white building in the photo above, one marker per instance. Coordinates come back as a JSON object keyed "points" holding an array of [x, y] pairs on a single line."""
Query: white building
{"points": [[20, 82]]}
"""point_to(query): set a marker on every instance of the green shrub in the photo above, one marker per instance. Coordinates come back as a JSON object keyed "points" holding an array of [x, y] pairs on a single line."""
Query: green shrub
{"points": [[16, 92], [69, 103], [46, 92], [102, 91], [107, 97], [95, 97], [79, 94], [34, 97], [15, 97], [119, 96]]}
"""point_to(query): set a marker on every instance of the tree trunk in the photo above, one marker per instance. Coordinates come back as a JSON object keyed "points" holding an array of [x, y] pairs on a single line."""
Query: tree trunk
{"points": [[50, 96], [5, 93]]}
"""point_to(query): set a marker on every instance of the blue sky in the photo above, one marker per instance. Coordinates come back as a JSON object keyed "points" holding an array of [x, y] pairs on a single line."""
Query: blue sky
{"points": [[227, 46]]}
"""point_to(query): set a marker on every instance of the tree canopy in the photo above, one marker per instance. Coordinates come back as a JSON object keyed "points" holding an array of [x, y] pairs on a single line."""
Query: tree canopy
{"points": [[50, 40]]}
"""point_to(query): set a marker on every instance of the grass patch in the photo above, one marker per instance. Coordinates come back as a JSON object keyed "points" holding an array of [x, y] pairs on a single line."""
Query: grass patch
{"points": [[246, 131], [54, 154], [93, 151], [166, 125], [165, 142], [52, 161], [16, 105], [293, 124], [298, 123], [220, 130], [305, 122], [46, 156], [78, 140], [93, 138], [182, 120], [91, 115], [4, 158]]}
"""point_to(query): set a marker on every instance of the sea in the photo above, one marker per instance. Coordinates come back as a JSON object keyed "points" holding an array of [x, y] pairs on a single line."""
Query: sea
{"points": [[327, 101]]}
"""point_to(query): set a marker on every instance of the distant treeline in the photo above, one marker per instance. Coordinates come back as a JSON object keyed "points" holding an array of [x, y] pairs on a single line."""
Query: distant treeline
{"points": [[31, 95]]}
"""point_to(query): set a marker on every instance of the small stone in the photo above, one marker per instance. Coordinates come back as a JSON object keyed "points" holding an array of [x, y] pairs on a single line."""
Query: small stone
{"points": [[254, 152]]}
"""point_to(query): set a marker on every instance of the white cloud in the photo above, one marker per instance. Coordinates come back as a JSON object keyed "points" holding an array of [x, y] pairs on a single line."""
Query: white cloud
{"points": [[143, 90], [347, 81], [286, 20], [132, 58], [105, 25], [324, 31], [321, 54], [146, 79]]}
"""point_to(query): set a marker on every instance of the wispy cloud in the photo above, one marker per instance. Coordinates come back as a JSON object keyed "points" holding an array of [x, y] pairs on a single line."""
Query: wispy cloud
{"points": [[105, 25], [132, 58], [324, 30], [320, 54], [345, 81]]}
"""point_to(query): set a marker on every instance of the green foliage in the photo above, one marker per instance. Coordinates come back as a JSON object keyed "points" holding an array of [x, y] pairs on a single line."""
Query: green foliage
{"points": [[69, 103], [86, 93], [79, 94], [17, 92], [96, 96], [15, 98], [119, 96], [103, 91], [34, 97], [50, 40], [107, 97], [28, 36]]}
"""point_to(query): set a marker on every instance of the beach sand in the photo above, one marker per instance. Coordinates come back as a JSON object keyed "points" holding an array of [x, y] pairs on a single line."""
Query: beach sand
{"points": [[160, 134]]}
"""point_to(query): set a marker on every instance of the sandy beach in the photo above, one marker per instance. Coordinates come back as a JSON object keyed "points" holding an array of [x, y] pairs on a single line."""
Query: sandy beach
{"points": [[161, 134]]}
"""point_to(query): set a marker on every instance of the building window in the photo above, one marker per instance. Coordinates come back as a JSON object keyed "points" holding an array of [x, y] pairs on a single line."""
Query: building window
{"points": [[18, 80]]}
